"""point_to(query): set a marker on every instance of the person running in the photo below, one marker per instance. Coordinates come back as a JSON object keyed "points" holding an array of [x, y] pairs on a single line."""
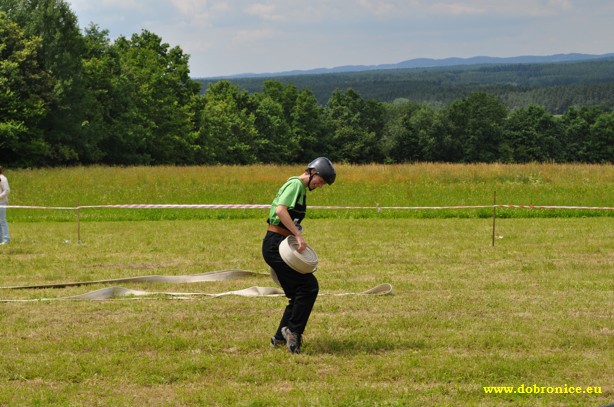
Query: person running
{"points": [[287, 211]]}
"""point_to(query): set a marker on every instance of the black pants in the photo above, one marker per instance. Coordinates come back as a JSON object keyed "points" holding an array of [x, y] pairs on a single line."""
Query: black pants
{"points": [[301, 289]]}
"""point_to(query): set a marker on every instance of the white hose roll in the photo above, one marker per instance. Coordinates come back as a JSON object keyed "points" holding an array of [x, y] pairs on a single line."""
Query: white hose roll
{"points": [[304, 263]]}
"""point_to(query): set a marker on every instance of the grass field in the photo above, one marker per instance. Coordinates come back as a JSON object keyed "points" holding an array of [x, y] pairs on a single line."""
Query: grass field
{"points": [[534, 311], [369, 185]]}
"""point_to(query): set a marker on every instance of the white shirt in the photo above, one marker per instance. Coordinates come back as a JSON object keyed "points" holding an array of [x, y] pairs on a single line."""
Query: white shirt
{"points": [[5, 190]]}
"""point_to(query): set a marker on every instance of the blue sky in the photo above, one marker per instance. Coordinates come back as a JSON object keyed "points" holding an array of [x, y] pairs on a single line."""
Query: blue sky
{"points": [[227, 37]]}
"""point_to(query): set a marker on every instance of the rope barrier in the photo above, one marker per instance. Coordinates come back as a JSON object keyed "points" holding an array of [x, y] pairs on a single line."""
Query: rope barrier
{"points": [[178, 206], [72, 208], [378, 208], [263, 206], [594, 208]]}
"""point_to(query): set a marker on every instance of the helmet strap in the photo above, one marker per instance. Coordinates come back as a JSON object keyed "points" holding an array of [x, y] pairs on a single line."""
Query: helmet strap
{"points": [[311, 174]]}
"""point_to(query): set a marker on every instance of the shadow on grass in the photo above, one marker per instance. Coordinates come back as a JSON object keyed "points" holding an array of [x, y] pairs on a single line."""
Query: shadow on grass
{"points": [[350, 346]]}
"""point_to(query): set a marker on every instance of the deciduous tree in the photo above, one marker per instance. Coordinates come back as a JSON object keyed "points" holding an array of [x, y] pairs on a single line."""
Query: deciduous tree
{"points": [[24, 87]]}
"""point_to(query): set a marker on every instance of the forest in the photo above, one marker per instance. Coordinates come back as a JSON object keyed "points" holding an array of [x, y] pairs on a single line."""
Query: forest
{"points": [[555, 86], [75, 97]]}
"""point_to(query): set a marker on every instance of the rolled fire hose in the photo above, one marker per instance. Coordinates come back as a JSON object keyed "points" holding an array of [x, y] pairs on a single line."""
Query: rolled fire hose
{"points": [[305, 262]]}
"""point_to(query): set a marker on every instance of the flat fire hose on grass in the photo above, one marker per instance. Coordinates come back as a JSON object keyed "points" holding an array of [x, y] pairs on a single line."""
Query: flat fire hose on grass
{"points": [[125, 293], [222, 275]]}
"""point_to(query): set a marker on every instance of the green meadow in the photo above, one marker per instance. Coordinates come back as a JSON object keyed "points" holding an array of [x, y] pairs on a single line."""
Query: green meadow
{"points": [[528, 321], [419, 185]]}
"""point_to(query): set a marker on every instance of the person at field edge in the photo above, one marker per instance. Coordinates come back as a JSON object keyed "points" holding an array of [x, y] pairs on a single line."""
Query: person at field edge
{"points": [[287, 211], [5, 190]]}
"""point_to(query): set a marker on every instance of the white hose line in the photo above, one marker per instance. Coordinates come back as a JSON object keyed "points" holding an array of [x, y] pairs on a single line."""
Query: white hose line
{"points": [[222, 275], [125, 293], [255, 291]]}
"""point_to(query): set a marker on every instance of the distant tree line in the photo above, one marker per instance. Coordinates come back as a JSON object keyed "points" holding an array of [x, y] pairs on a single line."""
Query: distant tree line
{"points": [[555, 86], [77, 98]]}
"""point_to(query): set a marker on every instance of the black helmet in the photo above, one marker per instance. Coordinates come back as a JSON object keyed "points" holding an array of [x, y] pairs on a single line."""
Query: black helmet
{"points": [[324, 168]]}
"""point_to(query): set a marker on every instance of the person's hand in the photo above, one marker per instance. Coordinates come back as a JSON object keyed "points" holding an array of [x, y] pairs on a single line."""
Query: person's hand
{"points": [[302, 244]]}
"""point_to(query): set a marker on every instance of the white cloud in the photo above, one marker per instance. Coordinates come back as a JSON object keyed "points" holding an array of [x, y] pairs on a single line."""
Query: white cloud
{"points": [[255, 35], [501, 8], [458, 9], [190, 6], [265, 12], [125, 4], [378, 7], [561, 4]]}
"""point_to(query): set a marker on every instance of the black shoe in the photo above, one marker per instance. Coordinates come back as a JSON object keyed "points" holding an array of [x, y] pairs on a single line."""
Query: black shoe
{"points": [[293, 340], [276, 343]]}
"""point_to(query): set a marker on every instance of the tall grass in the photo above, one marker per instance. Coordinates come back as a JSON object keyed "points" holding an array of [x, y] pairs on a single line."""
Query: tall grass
{"points": [[357, 185]]}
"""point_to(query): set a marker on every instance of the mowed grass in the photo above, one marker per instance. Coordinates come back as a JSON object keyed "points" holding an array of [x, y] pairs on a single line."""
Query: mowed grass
{"points": [[535, 309]]}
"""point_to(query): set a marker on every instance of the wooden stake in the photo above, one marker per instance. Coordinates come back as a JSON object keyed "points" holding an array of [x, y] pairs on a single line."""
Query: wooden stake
{"points": [[78, 223], [494, 217]]}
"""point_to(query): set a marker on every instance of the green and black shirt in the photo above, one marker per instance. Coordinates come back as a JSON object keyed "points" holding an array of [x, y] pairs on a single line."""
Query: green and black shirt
{"points": [[292, 194]]}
